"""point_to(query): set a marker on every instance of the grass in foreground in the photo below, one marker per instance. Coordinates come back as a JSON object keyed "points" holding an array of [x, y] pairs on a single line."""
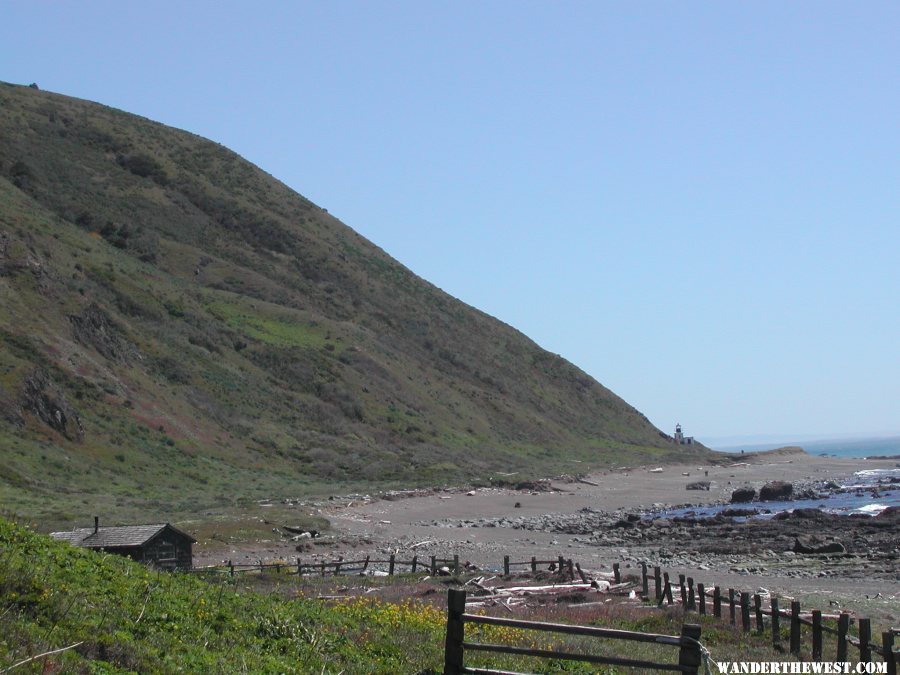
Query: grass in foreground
{"points": [[118, 616]]}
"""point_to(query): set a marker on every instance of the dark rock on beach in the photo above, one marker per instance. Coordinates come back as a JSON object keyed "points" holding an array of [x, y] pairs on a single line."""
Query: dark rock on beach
{"points": [[815, 543], [738, 513], [891, 514], [743, 495], [776, 491], [814, 514]]}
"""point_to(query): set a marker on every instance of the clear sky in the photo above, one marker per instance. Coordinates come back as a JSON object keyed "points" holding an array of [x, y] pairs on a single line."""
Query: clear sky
{"points": [[698, 203]]}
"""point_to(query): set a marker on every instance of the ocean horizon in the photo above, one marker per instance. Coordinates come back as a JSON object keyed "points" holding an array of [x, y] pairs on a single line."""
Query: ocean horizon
{"points": [[855, 447]]}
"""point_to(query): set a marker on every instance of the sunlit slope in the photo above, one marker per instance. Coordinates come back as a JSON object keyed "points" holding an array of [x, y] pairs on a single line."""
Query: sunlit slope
{"points": [[180, 330]]}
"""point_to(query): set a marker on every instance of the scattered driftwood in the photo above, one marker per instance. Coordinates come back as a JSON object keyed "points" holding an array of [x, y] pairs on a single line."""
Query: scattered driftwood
{"points": [[486, 594], [553, 588]]}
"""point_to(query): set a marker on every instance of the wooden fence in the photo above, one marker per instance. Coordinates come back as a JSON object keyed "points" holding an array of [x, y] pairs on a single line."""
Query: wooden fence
{"points": [[753, 615], [426, 565], [336, 567], [739, 607], [688, 643]]}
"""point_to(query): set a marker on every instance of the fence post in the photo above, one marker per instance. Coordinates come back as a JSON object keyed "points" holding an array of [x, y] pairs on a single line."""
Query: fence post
{"points": [[689, 655], [415, 560], [506, 565], [887, 646], [843, 629], [391, 563], [453, 649], [865, 639], [533, 564], [617, 575], [581, 573], [817, 635], [299, 568], [683, 591], [717, 602], [666, 590], [645, 585], [731, 607], [657, 582], [745, 611], [231, 568], [757, 606], [692, 599], [433, 565], [571, 569], [456, 564], [701, 599], [795, 626], [776, 621]]}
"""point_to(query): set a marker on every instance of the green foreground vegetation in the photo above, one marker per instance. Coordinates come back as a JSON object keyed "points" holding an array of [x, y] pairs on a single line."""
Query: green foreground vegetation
{"points": [[118, 616]]}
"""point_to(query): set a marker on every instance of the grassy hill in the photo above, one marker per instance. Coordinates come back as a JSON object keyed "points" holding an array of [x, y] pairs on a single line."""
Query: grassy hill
{"points": [[180, 331]]}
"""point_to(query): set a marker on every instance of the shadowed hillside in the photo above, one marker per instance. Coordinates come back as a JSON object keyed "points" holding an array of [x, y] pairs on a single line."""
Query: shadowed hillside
{"points": [[179, 331]]}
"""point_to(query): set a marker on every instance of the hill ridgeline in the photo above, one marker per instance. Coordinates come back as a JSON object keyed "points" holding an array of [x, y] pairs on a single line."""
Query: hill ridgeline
{"points": [[181, 331]]}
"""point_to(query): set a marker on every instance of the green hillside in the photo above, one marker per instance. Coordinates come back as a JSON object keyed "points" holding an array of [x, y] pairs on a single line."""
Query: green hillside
{"points": [[179, 331]]}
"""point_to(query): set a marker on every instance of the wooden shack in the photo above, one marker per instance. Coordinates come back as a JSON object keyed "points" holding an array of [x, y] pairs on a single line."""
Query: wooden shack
{"points": [[163, 545]]}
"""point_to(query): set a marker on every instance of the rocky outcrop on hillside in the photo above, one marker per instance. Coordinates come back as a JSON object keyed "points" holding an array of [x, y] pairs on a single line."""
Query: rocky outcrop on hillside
{"points": [[94, 328], [45, 399]]}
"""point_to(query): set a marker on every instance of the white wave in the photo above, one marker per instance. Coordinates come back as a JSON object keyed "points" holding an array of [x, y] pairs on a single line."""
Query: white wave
{"points": [[873, 509], [875, 472]]}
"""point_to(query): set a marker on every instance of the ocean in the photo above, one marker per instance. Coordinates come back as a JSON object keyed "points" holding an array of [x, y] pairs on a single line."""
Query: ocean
{"points": [[850, 447], [867, 491]]}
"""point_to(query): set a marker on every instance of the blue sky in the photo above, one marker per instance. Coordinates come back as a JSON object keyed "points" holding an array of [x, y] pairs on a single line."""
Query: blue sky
{"points": [[697, 203]]}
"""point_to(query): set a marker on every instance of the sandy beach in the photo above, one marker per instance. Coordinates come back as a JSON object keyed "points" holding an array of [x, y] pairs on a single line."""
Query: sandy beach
{"points": [[447, 522], [637, 488]]}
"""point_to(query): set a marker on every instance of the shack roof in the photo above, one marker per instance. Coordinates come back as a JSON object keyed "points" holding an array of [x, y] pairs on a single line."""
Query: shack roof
{"points": [[120, 536]]}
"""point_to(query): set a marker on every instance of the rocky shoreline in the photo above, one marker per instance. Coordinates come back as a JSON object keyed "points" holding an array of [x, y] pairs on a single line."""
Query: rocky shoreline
{"points": [[790, 543], [624, 516]]}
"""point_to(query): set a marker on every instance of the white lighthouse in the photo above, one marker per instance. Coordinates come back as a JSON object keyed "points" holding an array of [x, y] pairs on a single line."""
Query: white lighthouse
{"points": [[680, 438]]}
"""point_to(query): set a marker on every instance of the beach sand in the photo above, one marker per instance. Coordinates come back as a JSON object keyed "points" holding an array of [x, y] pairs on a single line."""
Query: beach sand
{"points": [[430, 525], [633, 488], [404, 526]]}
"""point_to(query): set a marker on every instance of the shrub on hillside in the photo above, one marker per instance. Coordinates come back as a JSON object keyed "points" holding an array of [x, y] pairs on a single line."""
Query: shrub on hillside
{"points": [[22, 176], [144, 166]]}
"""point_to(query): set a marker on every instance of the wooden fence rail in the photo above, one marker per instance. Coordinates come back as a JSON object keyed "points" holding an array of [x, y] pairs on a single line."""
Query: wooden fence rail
{"points": [[456, 646], [739, 603], [324, 568], [560, 564], [394, 565], [742, 608]]}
